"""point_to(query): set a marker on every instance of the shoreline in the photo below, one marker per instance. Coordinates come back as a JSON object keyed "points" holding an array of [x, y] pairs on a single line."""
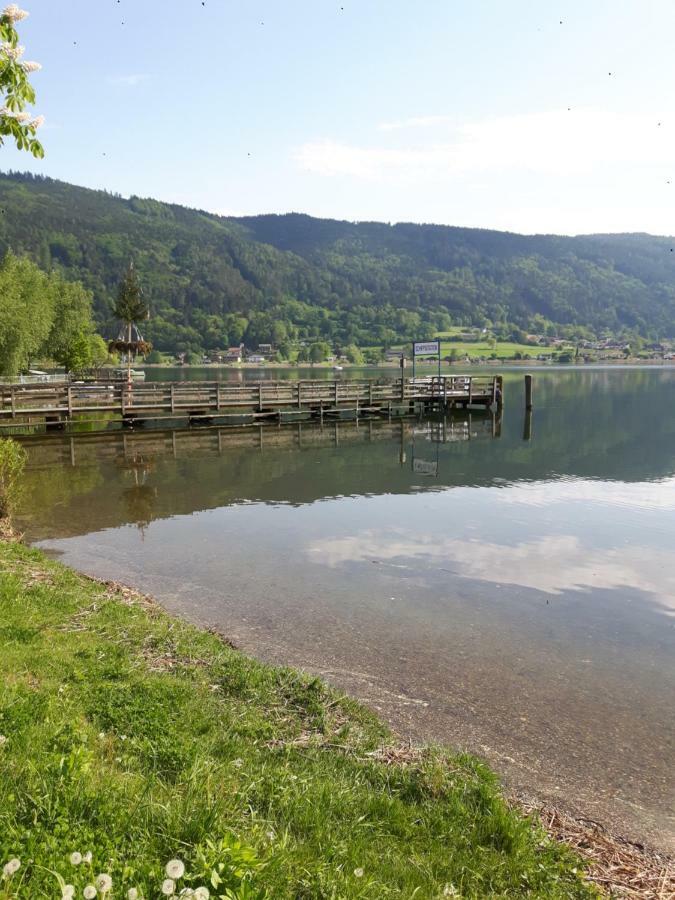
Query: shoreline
{"points": [[615, 863], [631, 363]]}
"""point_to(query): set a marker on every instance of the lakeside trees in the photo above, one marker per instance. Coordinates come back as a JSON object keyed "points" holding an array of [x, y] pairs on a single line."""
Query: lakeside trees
{"points": [[43, 316]]}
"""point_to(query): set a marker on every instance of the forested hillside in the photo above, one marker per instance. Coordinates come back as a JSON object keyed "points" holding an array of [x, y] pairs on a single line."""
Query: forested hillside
{"points": [[212, 281]]}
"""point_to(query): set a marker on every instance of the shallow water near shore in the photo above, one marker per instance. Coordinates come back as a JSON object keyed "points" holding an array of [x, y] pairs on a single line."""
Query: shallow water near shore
{"points": [[505, 586]]}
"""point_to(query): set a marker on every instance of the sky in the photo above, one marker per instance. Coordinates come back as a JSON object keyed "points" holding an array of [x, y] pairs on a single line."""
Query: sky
{"points": [[554, 116]]}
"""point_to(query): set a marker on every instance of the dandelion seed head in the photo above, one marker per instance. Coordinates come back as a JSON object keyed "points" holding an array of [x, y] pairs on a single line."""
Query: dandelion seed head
{"points": [[175, 868], [238, 763], [89, 892], [11, 867], [3, 740], [88, 856], [168, 886], [358, 873], [103, 883], [132, 894], [202, 893], [75, 858], [67, 892]]}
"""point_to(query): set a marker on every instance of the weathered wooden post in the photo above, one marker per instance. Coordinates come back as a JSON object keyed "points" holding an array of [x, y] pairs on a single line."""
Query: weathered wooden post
{"points": [[528, 392], [527, 427]]}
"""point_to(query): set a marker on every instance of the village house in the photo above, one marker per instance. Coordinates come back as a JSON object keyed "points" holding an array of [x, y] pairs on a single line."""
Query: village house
{"points": [[234, 354]]}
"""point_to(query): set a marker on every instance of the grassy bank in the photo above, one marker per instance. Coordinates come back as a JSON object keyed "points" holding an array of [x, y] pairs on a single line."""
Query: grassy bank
{"points": [[139, 738]]}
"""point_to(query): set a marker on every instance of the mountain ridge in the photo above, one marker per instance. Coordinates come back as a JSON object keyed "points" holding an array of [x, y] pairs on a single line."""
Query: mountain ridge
{"points": [[214, 280]]}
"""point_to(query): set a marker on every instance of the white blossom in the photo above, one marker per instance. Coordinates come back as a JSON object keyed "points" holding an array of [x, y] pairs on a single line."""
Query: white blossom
{"points": [[11, 114], [37, 122], [11, 867], [168, 886], [103, 883], [75, 858], [13, 52], [175, 869], [14, 14], [31, 66], [89, 892], [358, 873]]}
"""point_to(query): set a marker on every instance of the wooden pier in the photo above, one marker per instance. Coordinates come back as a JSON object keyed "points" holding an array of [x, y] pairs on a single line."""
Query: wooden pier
{"points": [[55, 404]]}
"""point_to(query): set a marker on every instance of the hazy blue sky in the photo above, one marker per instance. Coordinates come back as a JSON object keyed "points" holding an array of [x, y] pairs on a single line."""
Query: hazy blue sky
{"points": [[495, 113]]}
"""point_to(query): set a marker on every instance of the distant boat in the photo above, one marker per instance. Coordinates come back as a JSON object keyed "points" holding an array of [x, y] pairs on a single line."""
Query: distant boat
{"points": [[136, 374], [337, 368]]}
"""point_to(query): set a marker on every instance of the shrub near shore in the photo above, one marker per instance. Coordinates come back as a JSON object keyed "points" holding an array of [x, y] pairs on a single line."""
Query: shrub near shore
{"points": [[137, 738]]}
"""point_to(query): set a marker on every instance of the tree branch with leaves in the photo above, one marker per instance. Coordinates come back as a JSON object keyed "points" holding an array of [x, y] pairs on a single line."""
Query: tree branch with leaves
{"points": [[16, 91]]}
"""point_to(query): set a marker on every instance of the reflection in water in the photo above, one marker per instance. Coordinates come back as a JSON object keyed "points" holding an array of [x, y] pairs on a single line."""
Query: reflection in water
{"points": [[507, 585], [140, 498]]}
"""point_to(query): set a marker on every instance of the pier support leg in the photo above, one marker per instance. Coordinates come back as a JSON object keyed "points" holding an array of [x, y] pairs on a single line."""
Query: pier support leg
{"points": [[528, 392]]}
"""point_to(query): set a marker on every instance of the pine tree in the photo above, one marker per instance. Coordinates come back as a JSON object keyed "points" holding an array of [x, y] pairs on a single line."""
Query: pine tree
{"points": [[130, 307]]}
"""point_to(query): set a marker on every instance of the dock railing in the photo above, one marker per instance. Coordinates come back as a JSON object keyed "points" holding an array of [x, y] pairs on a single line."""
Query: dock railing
{"points": [[68, 399]]}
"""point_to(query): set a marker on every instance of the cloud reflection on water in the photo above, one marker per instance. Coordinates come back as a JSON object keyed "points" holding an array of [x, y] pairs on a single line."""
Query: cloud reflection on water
{"points": [[545, 559]]}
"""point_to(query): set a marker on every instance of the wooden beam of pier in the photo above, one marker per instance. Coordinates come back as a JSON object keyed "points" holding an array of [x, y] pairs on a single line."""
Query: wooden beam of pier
{"points": [[200, 399]]}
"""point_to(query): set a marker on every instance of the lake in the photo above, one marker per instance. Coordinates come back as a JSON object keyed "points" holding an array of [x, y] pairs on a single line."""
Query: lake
{"points": [[503, 586]]}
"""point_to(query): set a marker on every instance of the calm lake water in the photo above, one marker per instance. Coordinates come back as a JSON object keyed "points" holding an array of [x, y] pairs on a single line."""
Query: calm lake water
{"points": [[512, 596]]}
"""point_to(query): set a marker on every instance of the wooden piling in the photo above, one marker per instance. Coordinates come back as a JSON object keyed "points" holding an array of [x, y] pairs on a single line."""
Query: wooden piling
{"points": [[528, 392]]}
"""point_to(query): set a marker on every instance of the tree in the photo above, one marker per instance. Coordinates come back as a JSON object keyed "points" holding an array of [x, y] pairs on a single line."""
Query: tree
{"points": [[72, 318], [130, 308], [16, 91], [318, 352], [26, 313], [78, 356], [355, 355], [99, 351]]}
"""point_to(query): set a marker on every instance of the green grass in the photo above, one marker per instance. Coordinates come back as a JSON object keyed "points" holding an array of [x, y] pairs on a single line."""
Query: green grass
{"points": [[140, 738], [504, 349]]}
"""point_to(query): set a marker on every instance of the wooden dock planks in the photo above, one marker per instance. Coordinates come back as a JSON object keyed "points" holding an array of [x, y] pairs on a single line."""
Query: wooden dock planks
{"points": [[61, 402]]}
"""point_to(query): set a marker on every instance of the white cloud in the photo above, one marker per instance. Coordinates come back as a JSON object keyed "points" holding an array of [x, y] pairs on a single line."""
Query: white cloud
{"points": [[415, 122], [558, 142], [527, 564], [127, 80]]}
